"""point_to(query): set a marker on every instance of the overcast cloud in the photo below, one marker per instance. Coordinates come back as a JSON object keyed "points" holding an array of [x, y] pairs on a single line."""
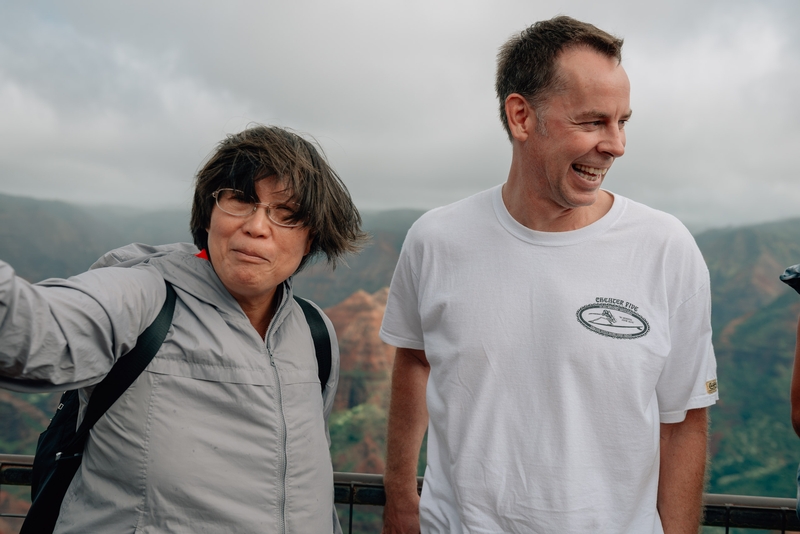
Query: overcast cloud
{"points": [[120, 102]]}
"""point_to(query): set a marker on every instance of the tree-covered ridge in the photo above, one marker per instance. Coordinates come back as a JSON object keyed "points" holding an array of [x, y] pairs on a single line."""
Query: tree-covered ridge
{"points": [[754, 450]]}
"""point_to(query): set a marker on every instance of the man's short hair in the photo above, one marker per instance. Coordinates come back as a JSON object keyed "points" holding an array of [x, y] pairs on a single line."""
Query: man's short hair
{"points": [[268, 152], [526, 64]]}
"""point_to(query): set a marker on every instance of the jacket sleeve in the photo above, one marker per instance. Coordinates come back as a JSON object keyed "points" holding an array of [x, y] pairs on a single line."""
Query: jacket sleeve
{"points": [[65, 334]]}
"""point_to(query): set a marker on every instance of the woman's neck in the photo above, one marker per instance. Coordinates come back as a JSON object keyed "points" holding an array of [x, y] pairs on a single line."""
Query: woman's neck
{"points": [[261, 314]]}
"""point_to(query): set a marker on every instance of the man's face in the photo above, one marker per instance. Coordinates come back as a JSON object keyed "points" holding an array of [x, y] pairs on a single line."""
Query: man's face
{"points": [[581, 131]]}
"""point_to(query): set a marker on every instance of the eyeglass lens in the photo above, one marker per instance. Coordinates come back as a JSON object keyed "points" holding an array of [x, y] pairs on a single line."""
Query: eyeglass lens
{"points": [[236, 203]]}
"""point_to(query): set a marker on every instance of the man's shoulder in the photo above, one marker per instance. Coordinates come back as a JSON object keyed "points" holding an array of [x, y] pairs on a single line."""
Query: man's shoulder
{"points": [[660, 233], [644, 217], [453, 216]]}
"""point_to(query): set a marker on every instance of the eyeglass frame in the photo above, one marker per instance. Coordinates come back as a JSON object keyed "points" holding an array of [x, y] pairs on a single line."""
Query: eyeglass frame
{"points": [[267, 206]]}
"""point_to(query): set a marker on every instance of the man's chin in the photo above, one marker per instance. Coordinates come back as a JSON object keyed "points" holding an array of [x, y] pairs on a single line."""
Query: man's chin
{"points": [[583, 200]]}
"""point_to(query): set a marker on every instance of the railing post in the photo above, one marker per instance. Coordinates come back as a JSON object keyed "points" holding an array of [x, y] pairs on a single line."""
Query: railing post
{"points": [[727, 518], [783, 519], [352, 498]]}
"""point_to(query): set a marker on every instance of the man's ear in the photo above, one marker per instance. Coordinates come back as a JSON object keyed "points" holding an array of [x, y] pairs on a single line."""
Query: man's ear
{"points": [[521, 117]]}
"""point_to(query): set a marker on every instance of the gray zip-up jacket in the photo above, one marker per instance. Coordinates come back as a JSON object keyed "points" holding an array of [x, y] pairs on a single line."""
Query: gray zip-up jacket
{"points": [[223, 432]]}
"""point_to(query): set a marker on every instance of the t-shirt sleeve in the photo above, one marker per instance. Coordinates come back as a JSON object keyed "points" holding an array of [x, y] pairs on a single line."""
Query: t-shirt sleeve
{"points": [[402, 325], [689, 377]]}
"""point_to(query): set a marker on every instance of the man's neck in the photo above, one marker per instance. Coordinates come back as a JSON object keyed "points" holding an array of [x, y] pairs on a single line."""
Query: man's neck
{"points": [[534, 211]]}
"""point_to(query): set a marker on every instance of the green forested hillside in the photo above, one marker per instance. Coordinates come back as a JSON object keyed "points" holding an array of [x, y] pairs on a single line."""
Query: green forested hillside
{"points": [[744, 264], [44, 239], [755, 451], [753, 447], [371, 270]]}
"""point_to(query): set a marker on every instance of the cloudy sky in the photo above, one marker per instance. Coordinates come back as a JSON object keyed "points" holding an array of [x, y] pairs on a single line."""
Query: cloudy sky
{"points": [[119, 102]]}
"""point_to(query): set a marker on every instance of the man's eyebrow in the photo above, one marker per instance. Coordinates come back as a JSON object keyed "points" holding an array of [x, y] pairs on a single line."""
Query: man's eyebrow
{"points": [[601, 115]]}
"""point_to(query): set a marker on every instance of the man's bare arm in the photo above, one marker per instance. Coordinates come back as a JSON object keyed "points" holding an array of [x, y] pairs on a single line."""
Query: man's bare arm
{"points": [[681, 477], [795, 395], [408, 419]]}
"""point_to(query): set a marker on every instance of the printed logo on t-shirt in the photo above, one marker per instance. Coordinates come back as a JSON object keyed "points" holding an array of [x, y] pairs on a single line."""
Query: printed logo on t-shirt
{"points": [[615, 318]]}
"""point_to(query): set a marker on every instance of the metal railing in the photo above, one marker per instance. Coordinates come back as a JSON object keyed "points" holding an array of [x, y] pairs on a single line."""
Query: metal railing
{"points": [[352, 489]]}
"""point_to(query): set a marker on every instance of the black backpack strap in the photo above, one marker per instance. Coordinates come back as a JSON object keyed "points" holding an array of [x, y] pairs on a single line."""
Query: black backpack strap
{"points": [[44, 510], [321, 337], [128, 368]]}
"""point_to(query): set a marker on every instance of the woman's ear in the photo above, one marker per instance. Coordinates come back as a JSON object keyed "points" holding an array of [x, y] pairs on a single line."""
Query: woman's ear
{"points": [[309, 242]]}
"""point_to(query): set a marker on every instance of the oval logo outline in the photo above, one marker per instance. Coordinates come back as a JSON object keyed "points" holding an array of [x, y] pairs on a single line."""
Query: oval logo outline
{"points": [[604, 322]]}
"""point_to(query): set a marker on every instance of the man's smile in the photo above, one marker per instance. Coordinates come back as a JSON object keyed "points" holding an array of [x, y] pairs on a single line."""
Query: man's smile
{"points": [[589, 173]]}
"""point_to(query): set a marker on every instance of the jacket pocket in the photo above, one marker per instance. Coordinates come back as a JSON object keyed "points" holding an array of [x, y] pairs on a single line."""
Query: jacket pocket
{"points": [[212, 372]]}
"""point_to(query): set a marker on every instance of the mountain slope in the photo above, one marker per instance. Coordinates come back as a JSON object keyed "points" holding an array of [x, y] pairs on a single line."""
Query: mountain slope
{"points": [[369, 271], [744, 264], [44, 239], [754, 450]]}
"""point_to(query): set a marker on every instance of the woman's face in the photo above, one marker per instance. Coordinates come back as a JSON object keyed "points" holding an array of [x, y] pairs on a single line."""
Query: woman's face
{"points": [[252, 255]]}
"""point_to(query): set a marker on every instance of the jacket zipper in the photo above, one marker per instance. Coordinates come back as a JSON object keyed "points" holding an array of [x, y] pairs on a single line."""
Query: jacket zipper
{"points": [[283, 438]]}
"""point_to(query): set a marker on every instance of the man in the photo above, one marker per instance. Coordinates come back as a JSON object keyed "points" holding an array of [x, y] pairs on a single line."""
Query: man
{"points": [[557, 334]]}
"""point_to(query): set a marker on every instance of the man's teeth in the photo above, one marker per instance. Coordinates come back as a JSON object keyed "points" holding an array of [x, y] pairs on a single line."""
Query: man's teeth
{"points": [[590, 173]]}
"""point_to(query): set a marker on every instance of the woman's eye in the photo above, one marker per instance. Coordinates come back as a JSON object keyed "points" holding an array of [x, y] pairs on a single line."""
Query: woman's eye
{"points": [[284, 210]]}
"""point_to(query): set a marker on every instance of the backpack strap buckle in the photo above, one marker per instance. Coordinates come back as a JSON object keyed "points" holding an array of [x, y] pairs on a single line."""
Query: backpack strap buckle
{"points": [[66, 457]]}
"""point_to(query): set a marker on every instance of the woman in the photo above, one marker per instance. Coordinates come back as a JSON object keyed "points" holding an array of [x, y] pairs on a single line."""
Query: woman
{"points": [[226, 430]]}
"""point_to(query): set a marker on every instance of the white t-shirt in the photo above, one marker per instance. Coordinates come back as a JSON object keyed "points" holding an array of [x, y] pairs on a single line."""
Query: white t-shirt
{"points": [[554, 357]]}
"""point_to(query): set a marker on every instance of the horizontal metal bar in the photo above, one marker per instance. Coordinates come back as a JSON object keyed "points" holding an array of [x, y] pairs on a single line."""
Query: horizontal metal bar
{"points": [[744, 517], [15, 476], [749, 500], [361, 488], [15, 469], [741, 511], [359, 478], [16, 459]]}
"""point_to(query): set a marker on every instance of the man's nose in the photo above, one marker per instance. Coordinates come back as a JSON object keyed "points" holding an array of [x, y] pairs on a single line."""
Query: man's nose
{"points": [[613, 142]]}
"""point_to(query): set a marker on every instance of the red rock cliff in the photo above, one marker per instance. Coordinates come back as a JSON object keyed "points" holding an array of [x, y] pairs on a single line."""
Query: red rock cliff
{"points": [[366, 361]]}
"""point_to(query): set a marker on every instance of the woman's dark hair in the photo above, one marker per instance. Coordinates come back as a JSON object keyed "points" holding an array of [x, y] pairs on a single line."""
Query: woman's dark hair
{"points": [[261, 152]]}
